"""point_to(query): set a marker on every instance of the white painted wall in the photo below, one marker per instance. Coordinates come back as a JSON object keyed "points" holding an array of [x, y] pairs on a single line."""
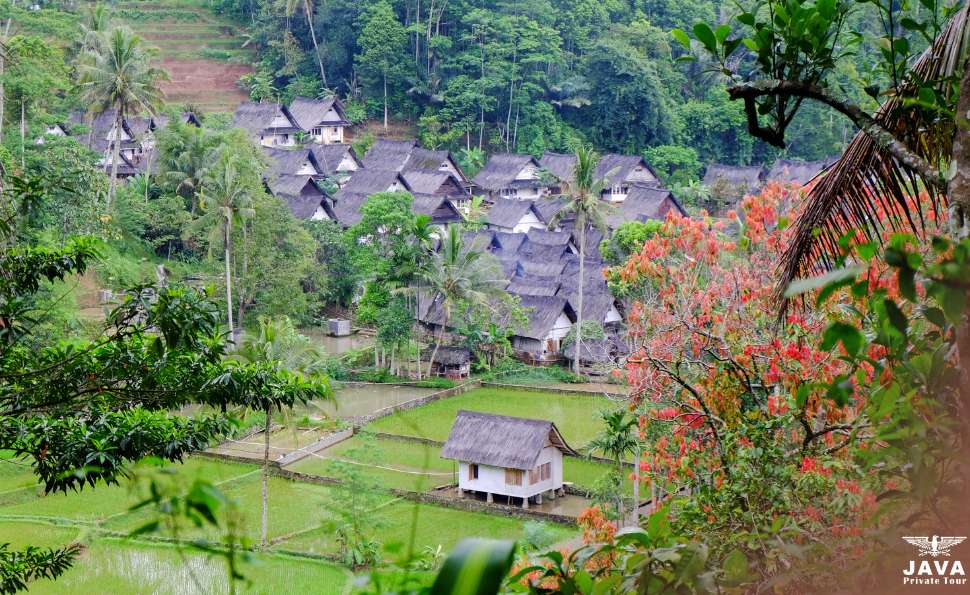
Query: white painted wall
{"points": [[320, 214], [491, 480], [613, 315], [277, 140], [527, 222], [347, 164]]}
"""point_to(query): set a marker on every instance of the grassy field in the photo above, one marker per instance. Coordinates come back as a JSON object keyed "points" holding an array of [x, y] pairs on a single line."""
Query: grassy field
{"points": [[301, 521], [412, 466], [574, 416]]}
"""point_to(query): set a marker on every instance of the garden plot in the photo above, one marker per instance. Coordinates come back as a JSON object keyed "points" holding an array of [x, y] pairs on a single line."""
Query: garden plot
{"points": [[574, 415]]}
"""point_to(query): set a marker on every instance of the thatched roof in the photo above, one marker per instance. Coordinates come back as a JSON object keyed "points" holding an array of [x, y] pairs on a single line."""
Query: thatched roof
{"points": [[548, 207], [540, 268], [289, 161], [543, 312], [256, 117], [745, 178], [389, 154], [346, 207], [508, 242], [500, 440], [620, 168], [542, 252], [545, 237], [560, 165], [369, 181], [533, 285], [797, 172], [612, 167], [449, 356], [301, 193], [433, 181], [502, 170], [507, 212], [439, 208], [644, 203], [330, 156], [310, 113]]}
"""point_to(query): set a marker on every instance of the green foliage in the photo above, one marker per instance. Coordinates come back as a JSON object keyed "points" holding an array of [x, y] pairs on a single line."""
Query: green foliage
{"points": [[19, 568], [675, 164], [627, 239]]}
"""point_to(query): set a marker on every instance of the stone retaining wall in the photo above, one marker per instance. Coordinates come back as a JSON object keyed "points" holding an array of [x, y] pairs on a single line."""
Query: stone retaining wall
{"points": [[325, 442], [552, 389], [442, 394], [472, 505]]}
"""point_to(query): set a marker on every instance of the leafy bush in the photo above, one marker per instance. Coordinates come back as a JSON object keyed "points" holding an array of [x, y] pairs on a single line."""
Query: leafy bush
{"points": [[537, 535]]}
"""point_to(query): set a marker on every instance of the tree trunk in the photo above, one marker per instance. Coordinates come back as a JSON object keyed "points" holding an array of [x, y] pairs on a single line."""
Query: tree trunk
{"points": [[385, 102], [232, 335], [266, 429], [313, 37], [579, 298], [3, 66], [958, 191], [441, 337], [23, 133], [115, 157]]}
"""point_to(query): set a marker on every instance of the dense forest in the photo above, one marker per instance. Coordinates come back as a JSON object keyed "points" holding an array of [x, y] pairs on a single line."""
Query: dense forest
{"points": [[534, 75]]}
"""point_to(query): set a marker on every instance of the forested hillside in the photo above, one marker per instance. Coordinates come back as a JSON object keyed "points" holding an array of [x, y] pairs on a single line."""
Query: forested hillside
{"points": [[531, 75]]}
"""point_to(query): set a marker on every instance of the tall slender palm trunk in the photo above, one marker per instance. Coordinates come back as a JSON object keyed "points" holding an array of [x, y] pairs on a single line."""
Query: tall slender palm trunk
{"points": [[579, 299], [385, 102], [265, 525], [115, 157], [437, 345], [313, 37], [229, 278]]}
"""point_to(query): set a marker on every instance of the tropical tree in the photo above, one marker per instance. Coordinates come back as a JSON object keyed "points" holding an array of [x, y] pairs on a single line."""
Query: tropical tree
{"points": [[617, 440], [383, 46], [116, 73], [280, 345], [458, 274], [228, 200], [584, 203], [186, 154]]}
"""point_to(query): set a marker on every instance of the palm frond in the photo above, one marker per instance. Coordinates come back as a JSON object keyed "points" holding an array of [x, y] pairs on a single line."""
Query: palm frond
{"points": [[867, 189]]}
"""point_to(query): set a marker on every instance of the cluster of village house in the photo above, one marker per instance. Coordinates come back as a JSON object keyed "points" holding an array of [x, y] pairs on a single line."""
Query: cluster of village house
{"points": [[320, 176]]}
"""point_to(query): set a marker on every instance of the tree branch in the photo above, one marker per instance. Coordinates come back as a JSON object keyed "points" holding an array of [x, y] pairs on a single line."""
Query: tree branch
{"points": [[883, 137]]}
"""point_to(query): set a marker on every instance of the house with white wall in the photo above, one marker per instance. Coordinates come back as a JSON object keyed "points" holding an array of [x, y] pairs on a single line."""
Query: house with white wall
{"points": [[516, 458]]}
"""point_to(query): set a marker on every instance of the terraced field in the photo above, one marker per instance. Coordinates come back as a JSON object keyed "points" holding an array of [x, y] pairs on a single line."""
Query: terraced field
{"points": [[202, 52]]}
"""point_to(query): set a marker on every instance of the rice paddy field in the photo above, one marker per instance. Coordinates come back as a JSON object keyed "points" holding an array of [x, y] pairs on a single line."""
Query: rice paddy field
{"points": [[302, 516], [575, 416]]}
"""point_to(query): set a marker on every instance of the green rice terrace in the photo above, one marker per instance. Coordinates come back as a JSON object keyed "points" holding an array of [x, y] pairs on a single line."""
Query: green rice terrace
{"points": [[203, 53], [394, 459]]}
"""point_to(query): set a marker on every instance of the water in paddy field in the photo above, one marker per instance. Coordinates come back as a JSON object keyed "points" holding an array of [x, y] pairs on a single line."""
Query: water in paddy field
{"points": [[356, 400], [336, 345]]}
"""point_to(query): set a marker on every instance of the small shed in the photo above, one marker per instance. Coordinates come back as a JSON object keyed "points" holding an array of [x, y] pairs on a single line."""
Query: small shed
{"points": [[451, 362], [507, 456]]}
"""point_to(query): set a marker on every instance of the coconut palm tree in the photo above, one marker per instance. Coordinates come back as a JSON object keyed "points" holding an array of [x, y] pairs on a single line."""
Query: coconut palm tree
{"points": [[278, 343], [458, 274], [616, 440], [226, 199], [116, 73], [190, 155], [308, 12], [583, 201]]}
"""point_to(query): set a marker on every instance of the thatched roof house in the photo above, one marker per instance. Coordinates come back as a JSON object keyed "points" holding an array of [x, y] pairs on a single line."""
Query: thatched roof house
{"points": [[407, 155], [728, 183], [511, 176], [511, 215], [302, 195], [450, 362], [324, 120], [790, 171], [294, 162], [619, 172], [550, 319], [271, 124], [507, 456], [336, 159], [644, 203]]}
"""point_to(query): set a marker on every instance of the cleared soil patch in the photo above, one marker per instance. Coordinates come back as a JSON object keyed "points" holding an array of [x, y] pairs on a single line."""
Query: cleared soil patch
{"points": [[208, 82]]}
